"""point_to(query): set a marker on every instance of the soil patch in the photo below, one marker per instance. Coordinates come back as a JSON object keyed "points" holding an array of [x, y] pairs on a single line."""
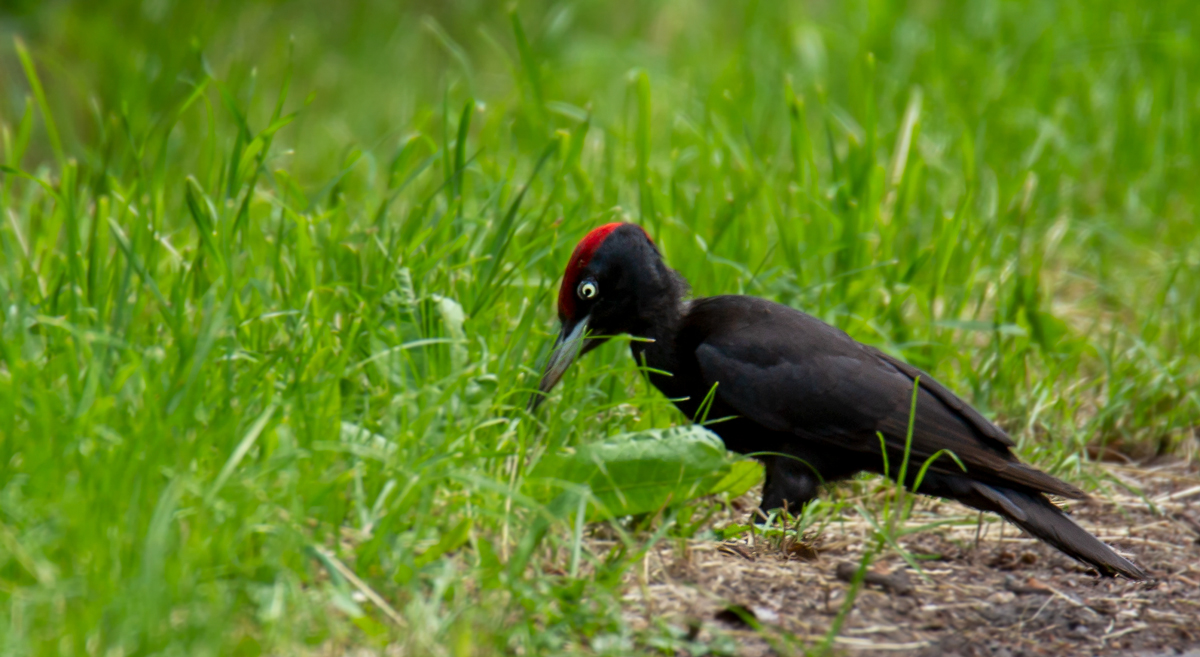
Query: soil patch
{"points": [[987, 589]]}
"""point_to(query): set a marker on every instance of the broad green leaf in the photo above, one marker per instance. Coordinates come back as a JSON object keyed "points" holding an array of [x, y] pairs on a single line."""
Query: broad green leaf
{"points": [[743, 475], [636, 473]]}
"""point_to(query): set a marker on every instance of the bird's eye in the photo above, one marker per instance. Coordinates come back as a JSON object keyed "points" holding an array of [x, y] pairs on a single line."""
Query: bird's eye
{"points": [[588, 290]]}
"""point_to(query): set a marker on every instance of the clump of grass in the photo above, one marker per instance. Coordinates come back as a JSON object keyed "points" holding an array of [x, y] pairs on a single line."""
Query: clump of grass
{"points": [[272, 281]]}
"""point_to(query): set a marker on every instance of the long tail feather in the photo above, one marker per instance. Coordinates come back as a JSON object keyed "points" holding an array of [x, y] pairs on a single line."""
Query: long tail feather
{"points": [[1041, 518]]}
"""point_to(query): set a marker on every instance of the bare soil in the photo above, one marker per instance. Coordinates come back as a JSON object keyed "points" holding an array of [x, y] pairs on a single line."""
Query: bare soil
{"points": [[986, 588]]}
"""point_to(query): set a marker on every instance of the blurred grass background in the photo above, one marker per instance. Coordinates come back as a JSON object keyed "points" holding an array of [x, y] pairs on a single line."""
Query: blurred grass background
{"points": [[275, 278]]}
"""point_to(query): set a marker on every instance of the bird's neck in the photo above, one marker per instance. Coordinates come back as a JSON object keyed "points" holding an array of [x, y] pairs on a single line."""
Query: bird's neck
{"points": [[662, 322], [660, 312]]}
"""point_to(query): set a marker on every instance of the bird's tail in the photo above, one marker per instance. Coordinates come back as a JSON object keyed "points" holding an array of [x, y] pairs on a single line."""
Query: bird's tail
{"points": [[1041, 518]]}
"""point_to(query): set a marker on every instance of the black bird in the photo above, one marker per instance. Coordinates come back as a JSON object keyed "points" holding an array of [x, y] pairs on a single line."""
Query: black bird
{"points": [[794, 385]]}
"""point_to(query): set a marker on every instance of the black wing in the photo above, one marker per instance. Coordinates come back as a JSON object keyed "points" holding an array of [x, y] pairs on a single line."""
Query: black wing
{"points": [[791, 372]]}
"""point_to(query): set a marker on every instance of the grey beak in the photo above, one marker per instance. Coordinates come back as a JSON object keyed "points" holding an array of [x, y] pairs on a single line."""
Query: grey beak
{"points": [[566, 349]]}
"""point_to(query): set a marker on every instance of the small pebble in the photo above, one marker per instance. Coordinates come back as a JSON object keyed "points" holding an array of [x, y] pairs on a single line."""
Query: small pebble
{"points": [[1001, 597]]}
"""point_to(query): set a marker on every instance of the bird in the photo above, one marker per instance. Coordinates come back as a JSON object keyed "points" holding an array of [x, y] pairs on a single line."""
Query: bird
{"points": [[803, 397]]}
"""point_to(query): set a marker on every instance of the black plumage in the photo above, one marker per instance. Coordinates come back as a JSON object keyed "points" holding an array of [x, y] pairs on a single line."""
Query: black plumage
{"points": [[788, 384]]}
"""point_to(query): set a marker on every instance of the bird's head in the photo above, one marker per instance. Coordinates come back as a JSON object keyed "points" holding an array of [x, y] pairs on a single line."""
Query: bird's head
{"points": [[615, 282]]}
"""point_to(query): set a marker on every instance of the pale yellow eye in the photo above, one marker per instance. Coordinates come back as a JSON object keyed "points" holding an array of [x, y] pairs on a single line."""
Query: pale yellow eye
{"points": [[588, 290]]}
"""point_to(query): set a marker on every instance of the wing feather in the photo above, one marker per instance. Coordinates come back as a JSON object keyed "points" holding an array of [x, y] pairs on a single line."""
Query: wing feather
{"points": [[790, 372]]}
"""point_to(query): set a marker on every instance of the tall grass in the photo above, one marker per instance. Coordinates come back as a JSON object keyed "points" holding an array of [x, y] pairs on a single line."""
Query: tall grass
{"points": [[274, 278]]}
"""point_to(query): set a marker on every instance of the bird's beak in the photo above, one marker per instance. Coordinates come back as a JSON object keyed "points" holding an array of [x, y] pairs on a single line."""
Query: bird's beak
{"points": [[566, 349]]}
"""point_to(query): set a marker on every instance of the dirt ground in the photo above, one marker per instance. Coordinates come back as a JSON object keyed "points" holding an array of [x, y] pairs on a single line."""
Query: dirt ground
{"points": [[987, 589]]}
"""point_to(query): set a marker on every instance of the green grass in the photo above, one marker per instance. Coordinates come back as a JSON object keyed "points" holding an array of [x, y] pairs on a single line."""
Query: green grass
{"points": [[275, 279]]}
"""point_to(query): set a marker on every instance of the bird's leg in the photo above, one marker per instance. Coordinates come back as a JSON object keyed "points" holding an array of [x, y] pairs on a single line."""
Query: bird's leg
{"points": [[788, 480], [795, 475]]}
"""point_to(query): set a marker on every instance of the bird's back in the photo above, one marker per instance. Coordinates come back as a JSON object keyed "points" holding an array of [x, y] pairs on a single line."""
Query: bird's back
{"points": [[791, 373]]}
